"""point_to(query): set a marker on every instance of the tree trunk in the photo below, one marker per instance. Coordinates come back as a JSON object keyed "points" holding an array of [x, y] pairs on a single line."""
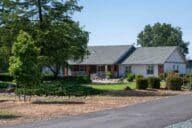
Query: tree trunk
{"points": [[40, 13], [56, 75], [55, 70]]}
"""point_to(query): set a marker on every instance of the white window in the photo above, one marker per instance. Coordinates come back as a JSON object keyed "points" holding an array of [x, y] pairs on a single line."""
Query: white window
{"points": [[150, 69], [175, 67], [128, 69]]}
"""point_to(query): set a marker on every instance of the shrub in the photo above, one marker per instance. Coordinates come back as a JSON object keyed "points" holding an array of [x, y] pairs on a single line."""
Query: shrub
{"points": [[185, 80], [47, 77], [130, 77], [6, 77], [163, 76], [4, 85], [174, 82], [78, 79], [154, 82], [141, 83], [59, 89], [109, 74], [190, 85], [189, 78], [139, 76]]}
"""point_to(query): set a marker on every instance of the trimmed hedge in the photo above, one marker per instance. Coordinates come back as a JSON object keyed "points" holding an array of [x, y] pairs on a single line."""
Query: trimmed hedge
{"points": [[154, 82], [78, 79], [6, 77], [4, 85], [174, 82], [58, 89], [130, 77], [141, 83]]}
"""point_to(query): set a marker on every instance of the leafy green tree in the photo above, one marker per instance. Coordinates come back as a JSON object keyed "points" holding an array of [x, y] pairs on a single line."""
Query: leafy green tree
{"points": [[10, 25], [66, 41], [51, 26], [4, 58], [24, 62], [162, 35]]}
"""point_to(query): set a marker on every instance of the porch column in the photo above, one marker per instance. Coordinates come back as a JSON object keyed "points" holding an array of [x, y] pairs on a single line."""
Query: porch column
{"points": [[66, 71], [112, 70], [106, 68], [87, 68]]}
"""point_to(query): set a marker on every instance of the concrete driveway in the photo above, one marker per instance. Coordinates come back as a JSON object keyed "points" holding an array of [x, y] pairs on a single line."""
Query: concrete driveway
{"points": [[153, 114]]}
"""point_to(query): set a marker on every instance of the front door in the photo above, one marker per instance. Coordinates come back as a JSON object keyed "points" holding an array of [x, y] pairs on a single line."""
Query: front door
{"points": [[160, 69]]}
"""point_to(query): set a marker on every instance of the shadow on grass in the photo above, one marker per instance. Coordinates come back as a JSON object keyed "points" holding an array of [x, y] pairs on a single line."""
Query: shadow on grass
{"points": [[58, 102], [138, 93], [7, 116], [2, 101]]}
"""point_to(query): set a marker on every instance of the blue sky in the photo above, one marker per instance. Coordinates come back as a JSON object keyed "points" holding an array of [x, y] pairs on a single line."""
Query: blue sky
{"points": [[116, 22]]}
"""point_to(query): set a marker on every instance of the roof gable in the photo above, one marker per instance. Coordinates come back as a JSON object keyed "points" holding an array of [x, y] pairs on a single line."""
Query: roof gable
{"points": [[177, 57], [150, 55]]}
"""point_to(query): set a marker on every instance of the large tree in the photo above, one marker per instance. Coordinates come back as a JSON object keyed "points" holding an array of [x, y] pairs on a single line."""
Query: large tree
{"points": [[50, 24], [162, 35]]}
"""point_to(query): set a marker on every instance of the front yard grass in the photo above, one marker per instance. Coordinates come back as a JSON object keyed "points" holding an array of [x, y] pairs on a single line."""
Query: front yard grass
{"points": [[114, 87], [119, 86]]}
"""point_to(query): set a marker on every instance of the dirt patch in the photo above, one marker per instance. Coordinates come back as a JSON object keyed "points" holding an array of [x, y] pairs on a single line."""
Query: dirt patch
{"points": [[43, 108]]}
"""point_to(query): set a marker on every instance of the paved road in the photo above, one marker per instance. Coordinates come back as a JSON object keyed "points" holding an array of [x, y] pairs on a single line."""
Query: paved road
{"points": [[153, 114]]}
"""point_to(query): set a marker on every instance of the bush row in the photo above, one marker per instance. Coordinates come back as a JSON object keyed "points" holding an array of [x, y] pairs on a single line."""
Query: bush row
{"points": [[6, 77], [150, 82], [80, 79], [4, 85], [58, 89]]}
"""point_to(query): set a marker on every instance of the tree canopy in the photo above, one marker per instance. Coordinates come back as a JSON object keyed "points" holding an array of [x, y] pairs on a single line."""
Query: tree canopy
{"points": [[51, 26], [162, 35]]}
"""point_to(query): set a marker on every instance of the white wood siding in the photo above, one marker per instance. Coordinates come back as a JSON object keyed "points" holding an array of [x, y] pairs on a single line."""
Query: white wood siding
{"points": [[142, 69], [175, 60], [122, 70], [175, 57], [138, 69], [47, 70], [168, 67]]}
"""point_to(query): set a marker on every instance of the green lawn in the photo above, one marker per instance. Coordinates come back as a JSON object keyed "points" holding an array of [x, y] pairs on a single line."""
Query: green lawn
{"points": [[114, 87], [118, 87]]}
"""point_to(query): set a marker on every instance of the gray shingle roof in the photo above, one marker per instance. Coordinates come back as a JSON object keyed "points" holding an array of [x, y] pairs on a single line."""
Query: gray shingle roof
{"points": [[150, 55], [106, 54]]}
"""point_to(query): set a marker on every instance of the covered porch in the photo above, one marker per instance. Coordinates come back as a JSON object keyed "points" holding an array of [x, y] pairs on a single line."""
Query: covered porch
{"points": [[93, 70]]}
